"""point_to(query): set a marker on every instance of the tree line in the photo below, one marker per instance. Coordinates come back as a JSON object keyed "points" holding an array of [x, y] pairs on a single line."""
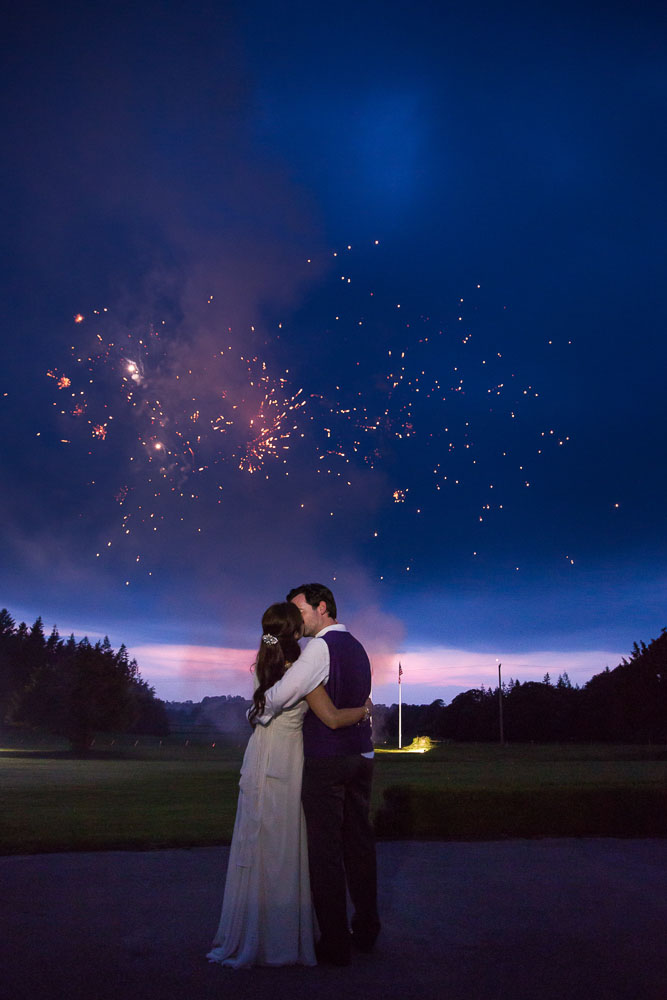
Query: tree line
{"points": [[625, 705], [76, 689], [73, 689]]}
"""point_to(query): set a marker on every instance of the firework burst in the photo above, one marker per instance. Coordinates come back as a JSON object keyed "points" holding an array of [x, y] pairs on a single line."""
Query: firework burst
{"points": [[398, 393]]}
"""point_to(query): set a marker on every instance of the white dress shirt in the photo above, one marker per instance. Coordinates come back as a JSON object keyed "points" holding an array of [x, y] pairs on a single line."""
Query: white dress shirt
{"points": [[311, 669]]}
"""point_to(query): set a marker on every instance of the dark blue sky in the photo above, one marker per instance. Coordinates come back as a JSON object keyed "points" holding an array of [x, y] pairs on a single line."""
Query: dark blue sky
{"points": [[199, 171]]}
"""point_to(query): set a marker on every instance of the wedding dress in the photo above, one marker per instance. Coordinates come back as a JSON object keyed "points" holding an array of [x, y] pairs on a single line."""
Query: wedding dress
{"points": [[267, 916]]}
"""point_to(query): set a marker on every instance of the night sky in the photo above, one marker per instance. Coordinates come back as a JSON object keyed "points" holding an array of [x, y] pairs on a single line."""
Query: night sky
{"points": [[372, 294]]}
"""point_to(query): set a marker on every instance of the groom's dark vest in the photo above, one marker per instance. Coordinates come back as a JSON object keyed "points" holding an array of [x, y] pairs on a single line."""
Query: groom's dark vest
{"points": [[348, 686]]}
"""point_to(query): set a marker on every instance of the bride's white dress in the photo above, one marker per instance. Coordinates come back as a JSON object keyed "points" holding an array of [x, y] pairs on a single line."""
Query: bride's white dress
{"points": [[267, 916]]}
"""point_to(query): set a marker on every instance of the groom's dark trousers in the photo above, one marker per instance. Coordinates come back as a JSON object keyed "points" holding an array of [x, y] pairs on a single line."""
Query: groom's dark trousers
{"points": [[341, 848], [338, 771]]}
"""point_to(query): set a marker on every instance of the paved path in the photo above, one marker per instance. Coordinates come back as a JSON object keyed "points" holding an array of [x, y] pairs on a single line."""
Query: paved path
{"points": [[513, 920]]}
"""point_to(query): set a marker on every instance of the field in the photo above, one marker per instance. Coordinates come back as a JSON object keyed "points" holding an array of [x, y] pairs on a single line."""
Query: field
{"points": [[149, 795]]}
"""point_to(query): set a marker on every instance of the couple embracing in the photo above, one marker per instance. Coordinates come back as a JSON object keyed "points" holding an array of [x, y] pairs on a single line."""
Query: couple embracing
{"points": [[302, 835]]}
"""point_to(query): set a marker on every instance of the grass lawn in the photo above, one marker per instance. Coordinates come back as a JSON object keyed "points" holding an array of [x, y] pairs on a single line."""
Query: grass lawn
{"points": [[148, 796], [485, 791], [121, 796]]}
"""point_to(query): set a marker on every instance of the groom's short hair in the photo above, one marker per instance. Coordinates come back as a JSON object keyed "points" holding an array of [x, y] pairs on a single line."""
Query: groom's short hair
{"points": [[314, 593]]}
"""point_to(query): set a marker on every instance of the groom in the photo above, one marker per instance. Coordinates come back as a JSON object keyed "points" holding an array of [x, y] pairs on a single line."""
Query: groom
{"points": [[338, 770]]}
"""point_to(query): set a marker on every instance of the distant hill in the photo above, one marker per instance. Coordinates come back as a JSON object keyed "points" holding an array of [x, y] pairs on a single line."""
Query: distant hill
{"points": [[224, 715]]}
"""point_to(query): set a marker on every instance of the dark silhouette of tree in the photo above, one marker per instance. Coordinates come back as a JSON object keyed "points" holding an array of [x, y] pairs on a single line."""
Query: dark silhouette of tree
{"points": [[472, 715], [431, 721], [8, 649], [542, 712], [21, 652], [150, 712], [53, 642], [626, 704], [7, 623], [73, 689], [630, 702]]}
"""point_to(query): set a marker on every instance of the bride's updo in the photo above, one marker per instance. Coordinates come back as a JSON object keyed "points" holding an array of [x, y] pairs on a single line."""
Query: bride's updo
{"points": [[281, 623]]}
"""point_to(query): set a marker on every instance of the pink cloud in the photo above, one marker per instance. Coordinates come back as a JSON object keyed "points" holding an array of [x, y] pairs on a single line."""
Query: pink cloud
{"points": [[427, 670], [182, 673], [190, 673]]}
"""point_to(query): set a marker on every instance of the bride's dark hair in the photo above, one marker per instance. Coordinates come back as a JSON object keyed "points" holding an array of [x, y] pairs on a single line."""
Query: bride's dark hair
{"points": [[280, 621]]}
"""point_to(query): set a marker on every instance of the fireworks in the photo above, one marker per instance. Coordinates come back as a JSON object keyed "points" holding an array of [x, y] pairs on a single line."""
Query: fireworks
{"points": [[189, 416], [272, 430], [62, 381]]}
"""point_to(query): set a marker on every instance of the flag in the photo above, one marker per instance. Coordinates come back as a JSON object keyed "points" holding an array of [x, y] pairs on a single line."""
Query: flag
{"points": [[400, 671]]}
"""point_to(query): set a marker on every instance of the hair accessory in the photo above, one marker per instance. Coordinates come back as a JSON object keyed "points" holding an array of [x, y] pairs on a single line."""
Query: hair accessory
{"points": [[269, 640]]}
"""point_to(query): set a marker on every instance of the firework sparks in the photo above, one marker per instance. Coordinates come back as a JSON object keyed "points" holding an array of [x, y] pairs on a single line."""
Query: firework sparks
{"points": [[440, 396]]}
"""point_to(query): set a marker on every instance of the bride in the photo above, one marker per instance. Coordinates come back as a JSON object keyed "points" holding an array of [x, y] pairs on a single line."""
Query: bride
{"points": [[267, 916]]}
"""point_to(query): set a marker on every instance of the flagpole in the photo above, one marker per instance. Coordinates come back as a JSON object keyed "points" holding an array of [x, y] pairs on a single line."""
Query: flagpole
{"points": [[400, 735], [500, 705]]}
